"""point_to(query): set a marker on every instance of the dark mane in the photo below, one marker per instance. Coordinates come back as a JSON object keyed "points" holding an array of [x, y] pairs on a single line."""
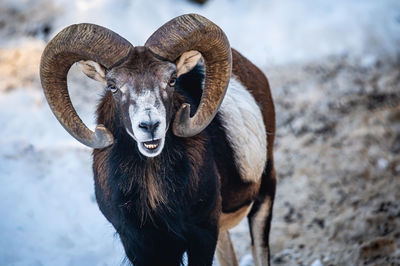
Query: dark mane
{"points": [[153, 191]]}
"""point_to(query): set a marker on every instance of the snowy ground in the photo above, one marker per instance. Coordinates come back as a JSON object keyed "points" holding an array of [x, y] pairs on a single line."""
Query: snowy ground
{"points": [[335, 76]]}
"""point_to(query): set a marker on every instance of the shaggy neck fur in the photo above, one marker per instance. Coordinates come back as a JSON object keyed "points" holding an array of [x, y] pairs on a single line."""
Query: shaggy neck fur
{"points": [[150, 188]]}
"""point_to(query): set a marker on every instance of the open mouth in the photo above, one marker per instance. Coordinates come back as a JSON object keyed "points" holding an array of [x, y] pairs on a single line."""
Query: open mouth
{"points": [[151, 145]]}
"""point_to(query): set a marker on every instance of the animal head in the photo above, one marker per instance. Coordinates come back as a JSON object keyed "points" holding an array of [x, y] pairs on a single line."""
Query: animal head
{"points": [[141, 79], [143, 90]]}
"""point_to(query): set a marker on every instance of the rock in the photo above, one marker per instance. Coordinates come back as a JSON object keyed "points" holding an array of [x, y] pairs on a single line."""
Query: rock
{"points": [[382, 163], [397, 169], [247, 260], [317, 263], [380, 246], [369, 61], [199, 1], [284, 257]]}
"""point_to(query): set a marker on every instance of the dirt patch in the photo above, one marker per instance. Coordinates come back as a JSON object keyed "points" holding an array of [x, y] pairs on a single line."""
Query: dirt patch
{"points": [[338, 163], [19, 67]]}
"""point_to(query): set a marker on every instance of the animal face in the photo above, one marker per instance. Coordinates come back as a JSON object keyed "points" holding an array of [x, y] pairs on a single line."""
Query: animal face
{"points": [[143, 90]]}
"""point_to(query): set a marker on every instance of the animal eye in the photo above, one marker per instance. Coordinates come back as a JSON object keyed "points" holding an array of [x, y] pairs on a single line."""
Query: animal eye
{"points": [[172, 82], [113, 88]]}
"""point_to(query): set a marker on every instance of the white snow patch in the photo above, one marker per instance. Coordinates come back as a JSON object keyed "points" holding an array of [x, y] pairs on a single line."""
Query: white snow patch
{"points": [[47, 206], [267, 32], [317, 263]]}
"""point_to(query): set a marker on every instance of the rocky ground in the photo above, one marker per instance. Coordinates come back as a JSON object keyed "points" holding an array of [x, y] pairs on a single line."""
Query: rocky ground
{"points": [[337, 152], [338, 162]]}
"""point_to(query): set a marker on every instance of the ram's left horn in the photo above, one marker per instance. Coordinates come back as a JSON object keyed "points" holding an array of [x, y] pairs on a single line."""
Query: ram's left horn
{"points": [[75, 43]]}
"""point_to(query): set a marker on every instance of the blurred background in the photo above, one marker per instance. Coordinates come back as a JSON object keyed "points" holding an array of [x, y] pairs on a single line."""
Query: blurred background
{"points": [[334, 69]]}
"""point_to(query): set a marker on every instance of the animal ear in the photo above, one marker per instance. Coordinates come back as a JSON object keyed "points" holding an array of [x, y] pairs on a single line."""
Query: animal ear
{"points": [[93, 70], [187, 62]]}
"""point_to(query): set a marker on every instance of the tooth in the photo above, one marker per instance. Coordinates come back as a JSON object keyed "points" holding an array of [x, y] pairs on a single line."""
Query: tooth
{"points": [[150, 145]]}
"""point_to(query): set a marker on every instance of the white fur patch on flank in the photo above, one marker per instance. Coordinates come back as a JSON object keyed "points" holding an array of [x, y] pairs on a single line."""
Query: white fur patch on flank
{"points": [[245, 130]]}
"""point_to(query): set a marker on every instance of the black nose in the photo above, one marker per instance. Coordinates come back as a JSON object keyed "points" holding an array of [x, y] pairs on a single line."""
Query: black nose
{"points": [[149, 126]]}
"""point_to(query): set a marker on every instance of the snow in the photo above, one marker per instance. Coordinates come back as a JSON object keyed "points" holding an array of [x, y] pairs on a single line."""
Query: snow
{"points": [[47, 205], [317, 263], [48, 212], [267, 32]]}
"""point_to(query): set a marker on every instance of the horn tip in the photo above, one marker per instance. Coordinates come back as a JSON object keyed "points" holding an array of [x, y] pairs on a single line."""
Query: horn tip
{"points": [[181, 125], [103, 137]]}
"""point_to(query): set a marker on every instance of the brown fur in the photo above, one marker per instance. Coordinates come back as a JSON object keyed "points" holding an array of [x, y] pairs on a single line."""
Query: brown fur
{"points": [[230, 220], [235, 192], [108, 113], [261, 212]]}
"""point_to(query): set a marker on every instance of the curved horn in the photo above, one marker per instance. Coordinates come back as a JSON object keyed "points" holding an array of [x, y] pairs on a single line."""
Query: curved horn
{"points": [[75, 43], [194, 32]]}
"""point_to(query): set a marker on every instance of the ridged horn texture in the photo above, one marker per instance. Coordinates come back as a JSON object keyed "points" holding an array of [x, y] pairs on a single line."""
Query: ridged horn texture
{"points": [[194, 32], [75, 43]]}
